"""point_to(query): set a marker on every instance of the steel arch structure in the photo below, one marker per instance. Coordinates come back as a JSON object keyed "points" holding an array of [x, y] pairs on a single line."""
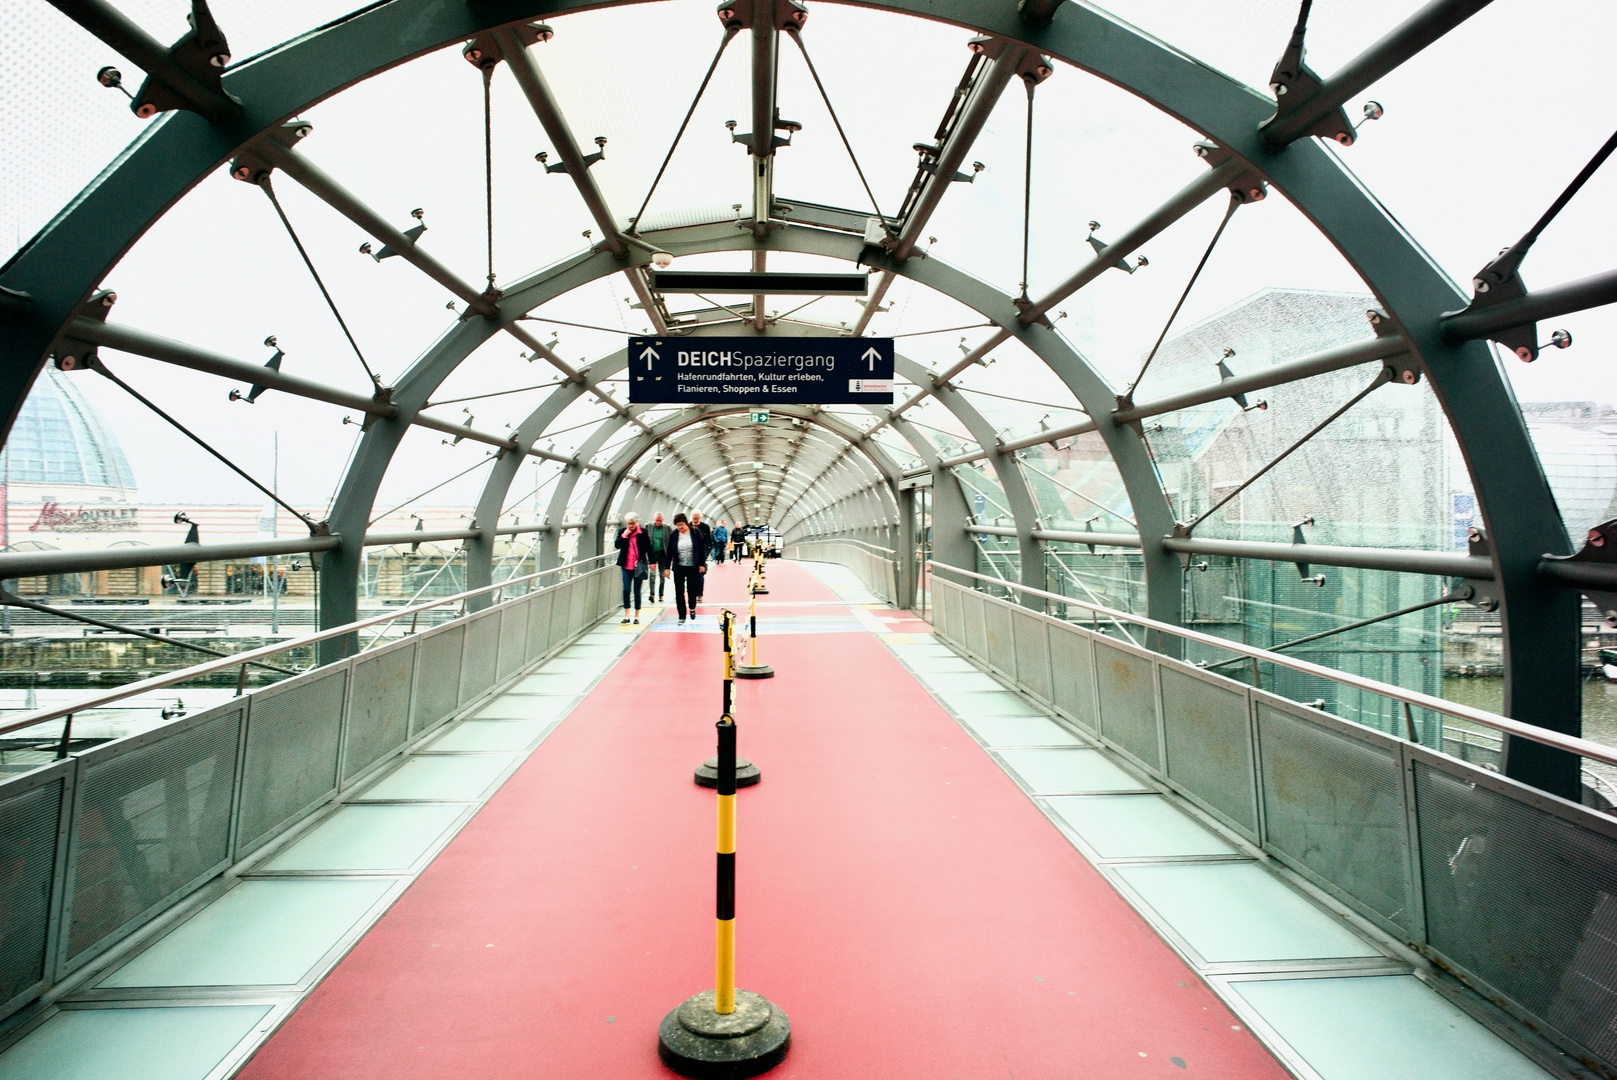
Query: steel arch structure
{"points": [[57, 272]]}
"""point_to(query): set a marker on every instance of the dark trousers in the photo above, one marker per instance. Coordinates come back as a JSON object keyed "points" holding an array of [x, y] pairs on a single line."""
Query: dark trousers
{"points": [[630, 580], [659, 584], [718, 552], [687, 589]]}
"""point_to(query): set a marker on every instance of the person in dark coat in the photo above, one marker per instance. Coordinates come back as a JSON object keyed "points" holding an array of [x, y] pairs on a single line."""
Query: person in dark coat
{"points": [[634, 562], [690, 564], [698, 525], [661, 537]]}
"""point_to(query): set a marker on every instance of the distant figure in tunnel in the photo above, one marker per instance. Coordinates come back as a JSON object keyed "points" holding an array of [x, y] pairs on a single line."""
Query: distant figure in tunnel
{"points": [[661, 537], [634, 562], [690, 563], [721, 540], [700, 526]]}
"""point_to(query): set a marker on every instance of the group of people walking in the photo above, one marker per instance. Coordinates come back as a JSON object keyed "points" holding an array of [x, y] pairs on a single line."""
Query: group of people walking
{"points": [[661, 552]]}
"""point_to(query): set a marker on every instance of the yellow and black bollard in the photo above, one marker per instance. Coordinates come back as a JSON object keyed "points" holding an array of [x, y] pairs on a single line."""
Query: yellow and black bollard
{"points": [[758, 586], [747, 773], [753, 670], [724, 1032]]}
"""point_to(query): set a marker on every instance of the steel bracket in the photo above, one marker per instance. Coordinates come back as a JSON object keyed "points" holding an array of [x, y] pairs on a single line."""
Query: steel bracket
{"points": [[69, 353], [1599, 548], [482, 52], [252, 167], [1294, 84], [202, 52], [1248, 187], [1498, 282]]}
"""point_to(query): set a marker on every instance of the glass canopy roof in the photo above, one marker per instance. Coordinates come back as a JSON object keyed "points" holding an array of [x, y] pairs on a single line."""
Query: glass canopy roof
{"points": [[219, 270]]}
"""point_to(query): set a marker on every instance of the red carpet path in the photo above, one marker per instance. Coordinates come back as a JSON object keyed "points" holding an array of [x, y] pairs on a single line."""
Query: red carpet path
{"points": [[907, 906]]}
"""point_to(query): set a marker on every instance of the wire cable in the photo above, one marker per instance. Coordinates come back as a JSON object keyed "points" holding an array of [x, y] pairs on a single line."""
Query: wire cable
{"points": [[430, 490], [1027, 184], [488, 163], [634, 222], [188, 433], [797, 37], [264, 182], [1566, 196], [1235, 204]]}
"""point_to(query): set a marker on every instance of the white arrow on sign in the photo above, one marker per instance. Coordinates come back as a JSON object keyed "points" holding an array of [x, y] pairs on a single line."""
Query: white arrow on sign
{"points": [[649, 355], [872, 356]]}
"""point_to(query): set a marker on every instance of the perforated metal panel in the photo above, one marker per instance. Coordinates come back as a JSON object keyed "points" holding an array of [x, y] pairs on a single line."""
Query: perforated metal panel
{"points": [[379, 714], [539, 625], [1208, 744], [1032, 654], [513, 637], [561, 617], [291, 761], [945, 611], [437, 677], [578, 601], [1333, 808], [1128, 707], [152, 823], [975, 624], [1073, 676], [1001, 646], [30, 821], [482, 654], [1523, 897]]}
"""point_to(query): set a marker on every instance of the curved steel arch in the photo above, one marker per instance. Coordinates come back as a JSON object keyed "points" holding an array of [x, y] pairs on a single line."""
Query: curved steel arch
{"points": [[58, 269]]}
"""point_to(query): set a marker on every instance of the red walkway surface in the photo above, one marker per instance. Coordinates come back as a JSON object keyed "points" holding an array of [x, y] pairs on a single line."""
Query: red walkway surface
{"points": [[898, 896]]}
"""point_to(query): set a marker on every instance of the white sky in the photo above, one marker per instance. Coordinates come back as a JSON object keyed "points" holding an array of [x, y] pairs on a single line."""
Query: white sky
{"points": [[1481, 132]]}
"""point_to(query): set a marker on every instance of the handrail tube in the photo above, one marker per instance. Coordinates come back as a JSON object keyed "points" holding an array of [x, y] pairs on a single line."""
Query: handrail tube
{"points": [[1333, 359], [152, 346], [1481, 322], [1570, 743], [849, 540], [1183, 202], [1096, 539], [157, 682], [1599, 576], [329, 191], [22, 564], [543, 103], [1403, 42], [463, 432], [1439, 563], [983, 96]]}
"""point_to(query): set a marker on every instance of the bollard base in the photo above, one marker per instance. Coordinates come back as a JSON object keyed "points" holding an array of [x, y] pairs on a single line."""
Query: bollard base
{"points": [[747, 774], [696, 1041], [754, 671]]}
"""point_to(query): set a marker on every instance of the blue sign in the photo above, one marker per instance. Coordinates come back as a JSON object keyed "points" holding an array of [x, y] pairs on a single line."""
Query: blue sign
{"points": [[979, 502], [758, 370]]}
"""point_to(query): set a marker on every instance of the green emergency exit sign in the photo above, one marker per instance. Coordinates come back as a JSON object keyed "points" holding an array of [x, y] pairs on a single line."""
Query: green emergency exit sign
{"points": [[759, 416]]}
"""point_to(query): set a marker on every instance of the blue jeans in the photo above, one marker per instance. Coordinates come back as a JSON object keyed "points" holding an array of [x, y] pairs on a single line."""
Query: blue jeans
{"points": [[628, 580]]}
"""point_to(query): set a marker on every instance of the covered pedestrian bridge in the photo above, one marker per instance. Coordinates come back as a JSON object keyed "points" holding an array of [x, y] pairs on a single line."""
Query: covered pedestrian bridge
{"points": [[1185, 671]]}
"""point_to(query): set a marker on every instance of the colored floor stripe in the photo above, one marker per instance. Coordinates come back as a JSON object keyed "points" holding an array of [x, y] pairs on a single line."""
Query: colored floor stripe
{"points": [[898, 896]]}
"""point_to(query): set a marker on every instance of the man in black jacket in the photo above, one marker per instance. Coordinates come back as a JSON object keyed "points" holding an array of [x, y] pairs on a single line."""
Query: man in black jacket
{"points": [[700, 526], [662, 555]]}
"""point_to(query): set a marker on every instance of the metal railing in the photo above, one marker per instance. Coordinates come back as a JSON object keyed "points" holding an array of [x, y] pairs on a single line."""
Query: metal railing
{"points": [[103, 840], [1570, 743], [196, 671], [1506, 888], [876, 567]]}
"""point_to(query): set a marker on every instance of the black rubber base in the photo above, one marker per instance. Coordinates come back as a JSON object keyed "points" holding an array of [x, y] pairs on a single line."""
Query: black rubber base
{"points": [[760, 592], [747, 774], [754, 671], [696, 1041]]}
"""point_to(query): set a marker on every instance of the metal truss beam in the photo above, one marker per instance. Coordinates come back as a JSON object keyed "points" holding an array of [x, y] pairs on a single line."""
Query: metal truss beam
{"points": [[150, 55], [1557, 300]]}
